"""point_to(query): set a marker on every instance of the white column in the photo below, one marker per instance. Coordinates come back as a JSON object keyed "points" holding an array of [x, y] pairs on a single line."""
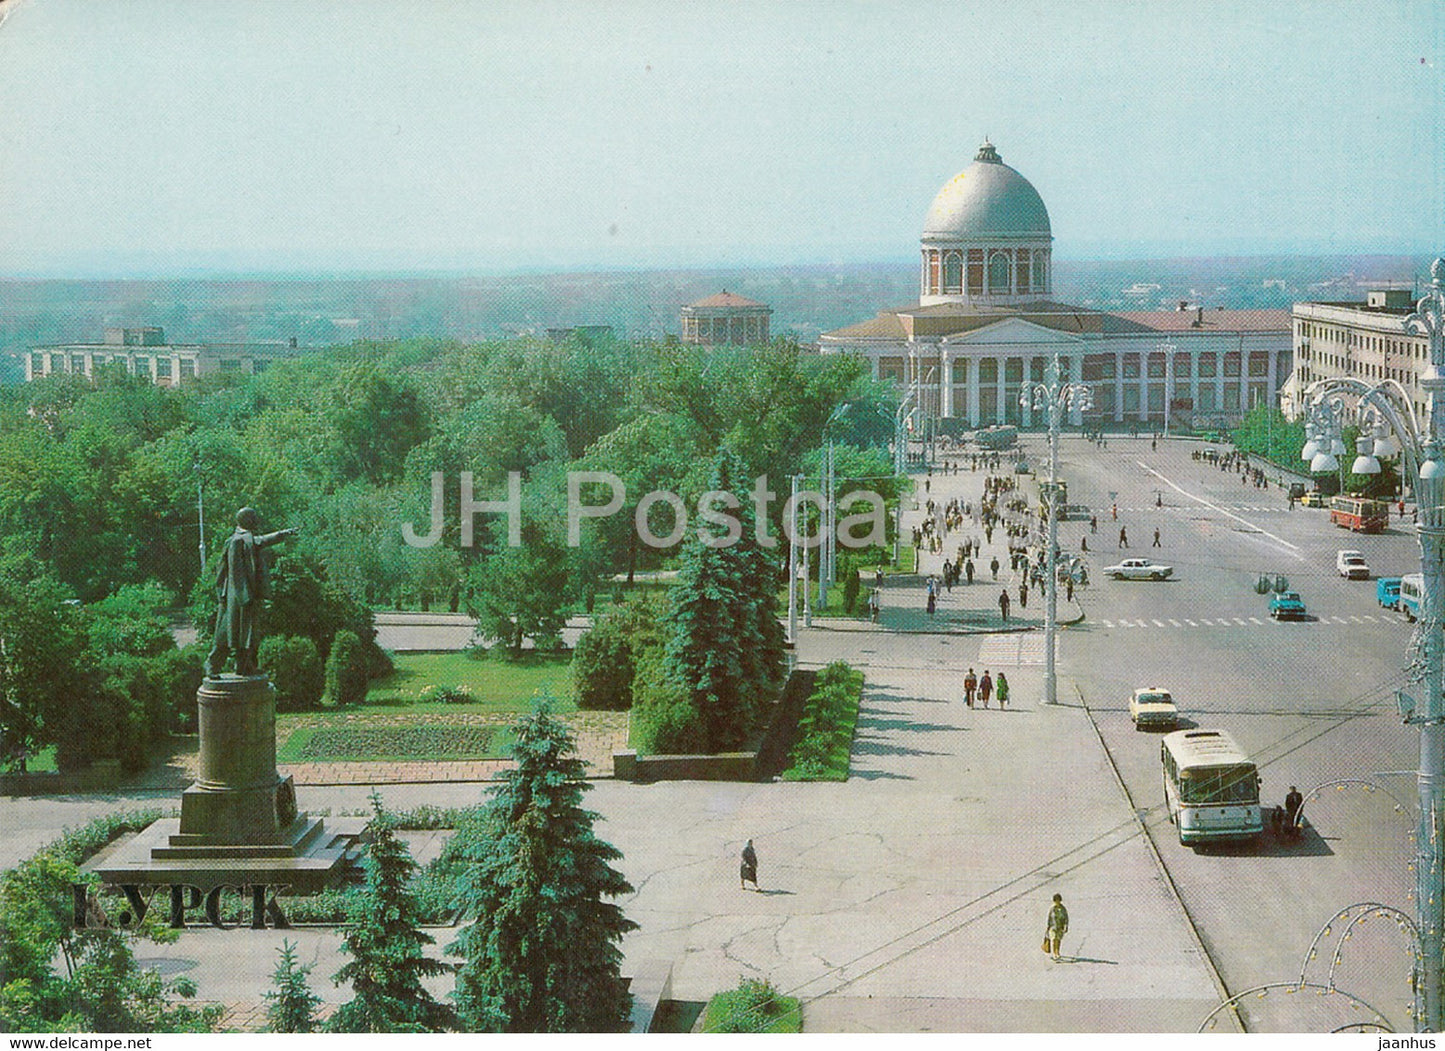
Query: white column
{"points": [[1118, 386], [998, 406], [946, 372], [1026, 415], [973, 420]]}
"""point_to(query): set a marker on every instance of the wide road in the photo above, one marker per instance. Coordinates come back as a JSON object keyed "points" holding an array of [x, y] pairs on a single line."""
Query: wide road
{"points": [[1313, 701]]}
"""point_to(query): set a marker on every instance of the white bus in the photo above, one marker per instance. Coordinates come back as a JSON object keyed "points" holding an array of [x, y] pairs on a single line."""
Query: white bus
{"points": [[1210, 786]]}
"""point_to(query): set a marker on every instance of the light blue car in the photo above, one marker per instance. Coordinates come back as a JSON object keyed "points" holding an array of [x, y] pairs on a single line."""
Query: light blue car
{"points": [[1286, 605]]}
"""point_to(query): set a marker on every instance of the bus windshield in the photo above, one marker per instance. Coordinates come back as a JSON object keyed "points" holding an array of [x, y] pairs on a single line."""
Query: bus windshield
{"points": [[1223, 784]]}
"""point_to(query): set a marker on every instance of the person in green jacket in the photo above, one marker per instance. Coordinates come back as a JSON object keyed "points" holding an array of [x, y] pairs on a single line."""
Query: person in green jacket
{"points": [[1001, 688]]}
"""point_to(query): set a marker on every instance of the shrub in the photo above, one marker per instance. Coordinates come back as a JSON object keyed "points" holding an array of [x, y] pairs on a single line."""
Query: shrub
{"points": [[825, 728], [851, 585], [605, 662], [346, 669], [755, 1006], [296, 671], [665, 721], [438, 694]]}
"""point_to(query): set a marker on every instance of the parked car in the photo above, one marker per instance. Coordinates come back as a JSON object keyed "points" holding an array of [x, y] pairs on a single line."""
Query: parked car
{"points": [[1314, 498], [1352, 565], [1153, 708], [1286, 605], [1138, 569], [1387, 592]]}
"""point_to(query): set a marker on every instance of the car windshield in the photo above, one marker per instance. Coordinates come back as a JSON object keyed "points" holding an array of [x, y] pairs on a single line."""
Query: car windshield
{"points": [[1285, 596], [1155, 698]]}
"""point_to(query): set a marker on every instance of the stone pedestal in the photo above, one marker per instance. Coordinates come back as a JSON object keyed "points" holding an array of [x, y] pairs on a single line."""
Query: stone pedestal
{"points": [[239, 822]]}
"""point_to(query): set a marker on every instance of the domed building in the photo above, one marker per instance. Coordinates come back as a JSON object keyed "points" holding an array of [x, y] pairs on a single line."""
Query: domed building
{"points": [[985, 327]]}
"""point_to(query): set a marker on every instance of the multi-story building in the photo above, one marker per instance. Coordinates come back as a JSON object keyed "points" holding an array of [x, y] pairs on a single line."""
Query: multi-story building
{"points": [[725, 318], [145, 352], [1365, 341], [985, 326]]}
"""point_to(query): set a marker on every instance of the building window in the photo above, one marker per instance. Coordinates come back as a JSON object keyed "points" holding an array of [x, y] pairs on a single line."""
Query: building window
{"points": [[988, 370], [1206, 399], [998, 275], [188, 368], [1231, 399], [1259, 364], [1013, 370], [37, 364], [1021, 270], [1182, 365], [1156, 366], [975, 271], [1039, 268], [1231, 366], [953, 272], [1036, 370], [1131, 399], [933, 272], [1131, 367], [1156, 397]]}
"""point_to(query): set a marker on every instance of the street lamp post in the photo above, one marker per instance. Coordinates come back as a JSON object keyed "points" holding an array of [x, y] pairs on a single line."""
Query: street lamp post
{"points": [[793, 562], [200, 512], [828, 555], [1058, 397], [1422, 460]]}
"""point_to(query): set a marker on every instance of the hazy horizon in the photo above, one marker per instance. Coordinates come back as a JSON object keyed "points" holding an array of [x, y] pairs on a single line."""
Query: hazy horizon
{"points": [[545, 136]]}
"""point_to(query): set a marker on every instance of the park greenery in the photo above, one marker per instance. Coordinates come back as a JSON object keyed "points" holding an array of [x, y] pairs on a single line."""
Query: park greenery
{"points": [[825, 729], [99, 530], [754, 1006]]}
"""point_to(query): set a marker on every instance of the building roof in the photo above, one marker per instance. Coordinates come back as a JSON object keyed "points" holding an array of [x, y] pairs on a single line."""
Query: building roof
{"points": [[727, 299], [988, 200], [1211, 320]]}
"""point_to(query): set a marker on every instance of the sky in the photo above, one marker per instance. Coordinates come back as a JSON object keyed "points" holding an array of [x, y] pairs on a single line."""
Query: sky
{"points": [[149, 137]]}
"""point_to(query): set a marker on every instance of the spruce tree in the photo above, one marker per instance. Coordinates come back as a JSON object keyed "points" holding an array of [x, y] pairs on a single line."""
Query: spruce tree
{"points": [[290, 1003], [386, 947], [541, 948], [727, 644]]}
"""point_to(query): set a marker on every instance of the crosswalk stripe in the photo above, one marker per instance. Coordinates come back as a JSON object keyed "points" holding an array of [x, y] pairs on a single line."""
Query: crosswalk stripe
{"points": [[1356, 620], [1255, 620], [1372, 618], [1340, 620], [1158, 623], [1190, 623], [1175, 623], [1239, 620], [1108, 623]]}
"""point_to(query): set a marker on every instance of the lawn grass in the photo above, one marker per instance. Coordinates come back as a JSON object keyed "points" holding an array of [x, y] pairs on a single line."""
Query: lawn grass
{"points": [[753, 1007], [495, 685], [429, 742]]}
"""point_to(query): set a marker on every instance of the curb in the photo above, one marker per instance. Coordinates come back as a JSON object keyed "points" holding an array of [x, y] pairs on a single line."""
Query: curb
{"points": [[1215, 976]]}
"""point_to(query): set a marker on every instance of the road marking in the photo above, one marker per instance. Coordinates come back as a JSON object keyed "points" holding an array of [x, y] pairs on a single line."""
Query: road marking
{"points": [[1200, 500], [1372, 618], [1190, 623], [1255, 620], [1340, 620], [1175, 623], [1356, 620], [1158, 623], [1240, 621], [1108, 623]]}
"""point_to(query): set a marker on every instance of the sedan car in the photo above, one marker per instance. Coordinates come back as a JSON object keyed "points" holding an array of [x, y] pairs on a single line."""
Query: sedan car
{"points": [[1153, 708], [1352, 565], [1138, 569], [1314, 498], [1286, 605]]}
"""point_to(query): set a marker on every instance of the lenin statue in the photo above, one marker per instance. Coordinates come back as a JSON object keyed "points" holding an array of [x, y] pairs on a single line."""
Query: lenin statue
{"points": [[241, 584]]}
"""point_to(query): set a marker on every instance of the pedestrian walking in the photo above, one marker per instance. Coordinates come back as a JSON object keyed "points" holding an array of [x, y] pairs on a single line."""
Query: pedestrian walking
{"points": [[968, 570], [1123, 537], [873, 606], [1115, 509], [1001, 686], [748, 871], [1083, 543], [1158, 499], [1069, 588], [993, 567], [1156, 536], [932, 603], [985, 688], [1003, 603], [1093, 523], [878, 577], [970, 683], [1057, 928], [1023, 594]]}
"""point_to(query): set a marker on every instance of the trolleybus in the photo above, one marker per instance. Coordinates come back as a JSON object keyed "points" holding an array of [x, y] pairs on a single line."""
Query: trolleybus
{"points": [[1359, 514], [1210, 786]]}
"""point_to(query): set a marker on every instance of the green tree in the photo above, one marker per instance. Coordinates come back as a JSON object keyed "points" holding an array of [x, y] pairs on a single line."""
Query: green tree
{"points": [[290, 1003], [386, 946], [604, 663], [42, 695], [727, 645], [346, 675], [541, 949], [296, 671], [520, 592]]}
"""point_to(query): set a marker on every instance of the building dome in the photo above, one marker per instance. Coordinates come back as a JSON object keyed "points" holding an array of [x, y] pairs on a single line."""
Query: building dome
{"points": [[987, 199], [986, 238]]}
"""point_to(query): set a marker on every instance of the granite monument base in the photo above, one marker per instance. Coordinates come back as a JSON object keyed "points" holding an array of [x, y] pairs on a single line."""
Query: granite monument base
{"points": [[239, 822]]}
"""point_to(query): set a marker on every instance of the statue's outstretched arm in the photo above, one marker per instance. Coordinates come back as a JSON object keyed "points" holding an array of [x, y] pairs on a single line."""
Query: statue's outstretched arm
{"points": [[271, 538]]}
